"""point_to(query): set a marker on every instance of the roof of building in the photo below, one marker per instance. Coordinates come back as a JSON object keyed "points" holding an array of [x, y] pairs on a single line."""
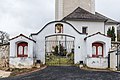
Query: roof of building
{"points": [[23, 36], [109, 20], [95, 34], [80, 14]]}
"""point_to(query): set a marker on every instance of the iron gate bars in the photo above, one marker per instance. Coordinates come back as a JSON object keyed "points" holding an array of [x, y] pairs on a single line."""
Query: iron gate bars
{"points": [[59, 50]]}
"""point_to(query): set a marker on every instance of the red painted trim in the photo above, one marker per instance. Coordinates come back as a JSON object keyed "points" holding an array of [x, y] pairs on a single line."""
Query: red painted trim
{"points": [[97, 44], [23, 44]]}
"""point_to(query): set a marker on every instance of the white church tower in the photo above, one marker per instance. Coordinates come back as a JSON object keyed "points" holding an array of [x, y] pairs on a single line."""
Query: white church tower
{"points": [[65, 7]]}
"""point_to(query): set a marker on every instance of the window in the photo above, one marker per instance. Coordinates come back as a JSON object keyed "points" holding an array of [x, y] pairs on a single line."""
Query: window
{"points": [[26, 50], [100, 50], [84, 30], [59, 28], [22, 49], [94, 50], [97, 49]]}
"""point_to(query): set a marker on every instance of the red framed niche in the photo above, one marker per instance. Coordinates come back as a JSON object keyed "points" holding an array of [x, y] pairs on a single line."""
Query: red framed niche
{"points": [[22, 49], [97, 49]]}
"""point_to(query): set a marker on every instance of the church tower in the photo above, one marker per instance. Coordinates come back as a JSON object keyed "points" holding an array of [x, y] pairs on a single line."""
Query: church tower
{"points": [[65, 7]]}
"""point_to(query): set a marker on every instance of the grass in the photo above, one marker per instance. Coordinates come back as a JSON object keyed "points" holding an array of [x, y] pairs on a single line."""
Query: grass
{"points": [[58, 60]]}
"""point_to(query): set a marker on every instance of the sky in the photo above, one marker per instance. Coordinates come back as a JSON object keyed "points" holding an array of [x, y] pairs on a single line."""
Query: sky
{"points": [[29, 16]]}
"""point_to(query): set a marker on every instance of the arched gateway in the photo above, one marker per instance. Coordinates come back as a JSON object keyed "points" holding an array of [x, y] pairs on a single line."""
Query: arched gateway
{"points": [[60, 43], [59, 49]]}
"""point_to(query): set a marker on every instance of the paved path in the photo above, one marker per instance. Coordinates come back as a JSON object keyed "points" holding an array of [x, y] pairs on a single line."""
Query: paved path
{"points": [[67, 73], [4, 74]]}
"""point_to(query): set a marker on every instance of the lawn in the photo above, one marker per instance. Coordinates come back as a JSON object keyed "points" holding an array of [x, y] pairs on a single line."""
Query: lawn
{"points": [[59, 60]]}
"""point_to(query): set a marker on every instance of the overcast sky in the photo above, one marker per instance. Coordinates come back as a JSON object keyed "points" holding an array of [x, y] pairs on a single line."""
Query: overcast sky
{"points": [[29, 16]]}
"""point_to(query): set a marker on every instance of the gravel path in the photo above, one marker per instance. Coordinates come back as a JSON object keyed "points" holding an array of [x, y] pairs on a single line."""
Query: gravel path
{"points": [[4, 74], [67, 73]]}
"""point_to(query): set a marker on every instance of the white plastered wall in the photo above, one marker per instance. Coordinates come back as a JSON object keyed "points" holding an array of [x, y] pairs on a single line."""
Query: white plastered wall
{"points": [[93, 27], [18, 62], [113, 60], [98, 62], [79, 54], [98, 38]]}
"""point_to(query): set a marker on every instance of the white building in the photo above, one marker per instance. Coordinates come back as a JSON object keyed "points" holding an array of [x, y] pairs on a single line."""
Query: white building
{"points": [[21, 52], [79, 31]]}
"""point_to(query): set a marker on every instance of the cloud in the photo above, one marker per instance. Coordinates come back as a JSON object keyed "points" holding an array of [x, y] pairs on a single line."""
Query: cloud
{"points": [[109, 8], [25, 16], [28, 16]]}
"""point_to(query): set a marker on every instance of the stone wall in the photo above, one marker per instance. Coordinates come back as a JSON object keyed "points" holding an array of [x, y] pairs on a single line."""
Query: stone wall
{"points": [[4, 55]]}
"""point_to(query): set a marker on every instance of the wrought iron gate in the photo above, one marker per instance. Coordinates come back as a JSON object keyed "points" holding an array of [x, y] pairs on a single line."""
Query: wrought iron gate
{"points": [[59, 52]]}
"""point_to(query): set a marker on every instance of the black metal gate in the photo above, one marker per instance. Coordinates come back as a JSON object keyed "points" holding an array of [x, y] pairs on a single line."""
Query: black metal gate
{"points": [[59, 52]]}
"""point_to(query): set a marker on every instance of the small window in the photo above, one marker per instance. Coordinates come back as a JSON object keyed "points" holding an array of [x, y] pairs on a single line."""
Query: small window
{"points": [[100, 50], [97, 49], [22, 49], [94, 50], [84, 30], [59, 28], [25, 50]]}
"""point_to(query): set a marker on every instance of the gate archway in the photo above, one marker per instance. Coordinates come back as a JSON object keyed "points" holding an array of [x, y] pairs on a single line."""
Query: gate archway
{"points": [[59, 50]]}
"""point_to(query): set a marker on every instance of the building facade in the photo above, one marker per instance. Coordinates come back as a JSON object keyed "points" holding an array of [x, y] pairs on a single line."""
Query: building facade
{"points": [[79, 36]]}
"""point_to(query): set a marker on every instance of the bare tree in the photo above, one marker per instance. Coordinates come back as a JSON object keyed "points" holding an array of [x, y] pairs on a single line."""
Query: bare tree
{"points": [[4, 37]]}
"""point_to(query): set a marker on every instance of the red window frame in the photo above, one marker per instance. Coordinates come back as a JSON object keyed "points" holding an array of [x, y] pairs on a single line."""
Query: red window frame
{"points": [[97, 45], [23, 44]]}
